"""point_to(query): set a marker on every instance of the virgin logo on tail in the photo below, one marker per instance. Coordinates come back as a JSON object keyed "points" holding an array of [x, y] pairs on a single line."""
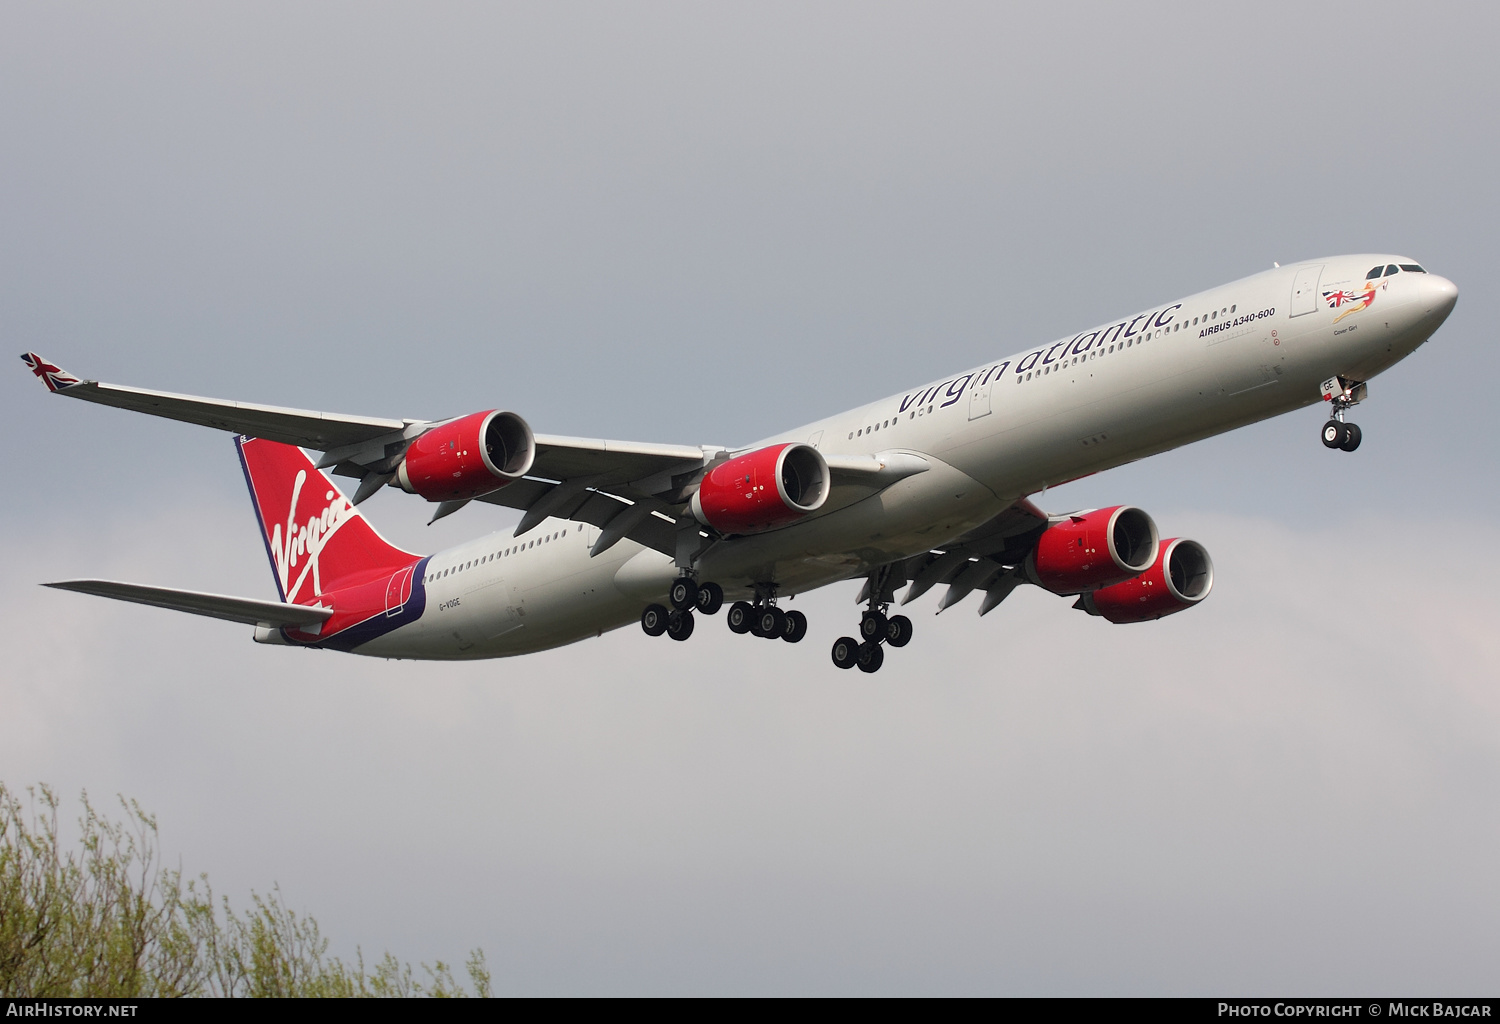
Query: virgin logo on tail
{"points": [[306, 542], [316, 539]]}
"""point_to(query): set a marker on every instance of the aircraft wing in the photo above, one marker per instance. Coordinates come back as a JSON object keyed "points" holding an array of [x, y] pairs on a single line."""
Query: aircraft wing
{"points": [[589, 479], [629, 489], [307, 429], [557, 458], [271, 614]]}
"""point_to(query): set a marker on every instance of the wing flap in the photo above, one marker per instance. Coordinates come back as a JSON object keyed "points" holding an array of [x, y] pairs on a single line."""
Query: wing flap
{"points": [[271, 614]]}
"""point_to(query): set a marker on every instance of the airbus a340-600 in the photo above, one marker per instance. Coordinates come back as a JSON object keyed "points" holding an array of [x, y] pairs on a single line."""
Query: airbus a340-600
{"points": [[925, 487]]}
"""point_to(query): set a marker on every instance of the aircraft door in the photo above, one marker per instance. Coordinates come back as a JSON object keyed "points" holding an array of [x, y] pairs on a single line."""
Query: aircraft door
{"points": [[397, 592], [979, 401], [1305, 291]]}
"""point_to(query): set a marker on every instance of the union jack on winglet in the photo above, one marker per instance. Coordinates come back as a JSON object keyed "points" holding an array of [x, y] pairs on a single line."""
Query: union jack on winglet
{"points": [[55, 377]]}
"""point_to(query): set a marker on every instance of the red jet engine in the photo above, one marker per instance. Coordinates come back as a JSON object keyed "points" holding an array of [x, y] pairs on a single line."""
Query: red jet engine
{"points": [[1094, 549], [763, 490], [467, 457], [1182, 575]]}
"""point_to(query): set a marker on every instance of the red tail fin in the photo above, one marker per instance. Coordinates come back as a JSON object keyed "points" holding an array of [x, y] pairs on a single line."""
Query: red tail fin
{"points": [[316, 538]]}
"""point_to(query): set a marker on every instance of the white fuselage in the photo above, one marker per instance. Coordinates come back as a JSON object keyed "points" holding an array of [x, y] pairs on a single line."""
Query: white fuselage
{"points": [[1176, 373]]}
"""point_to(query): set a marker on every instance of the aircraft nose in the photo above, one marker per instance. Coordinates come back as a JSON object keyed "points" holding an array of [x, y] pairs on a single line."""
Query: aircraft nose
{"points": [[1440, 295]]}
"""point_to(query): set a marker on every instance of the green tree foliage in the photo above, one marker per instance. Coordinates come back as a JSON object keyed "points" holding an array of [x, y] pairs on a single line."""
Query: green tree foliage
{"points": [[105, 918]]}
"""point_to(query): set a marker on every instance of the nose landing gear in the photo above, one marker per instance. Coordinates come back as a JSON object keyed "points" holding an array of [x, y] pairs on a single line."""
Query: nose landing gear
{"points": [[1337, 434], [875, 629], [1342, 395]]}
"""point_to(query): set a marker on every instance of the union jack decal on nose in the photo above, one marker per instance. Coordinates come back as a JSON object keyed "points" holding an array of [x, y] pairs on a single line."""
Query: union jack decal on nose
{"points": [[55, 377], [1355, 300]]}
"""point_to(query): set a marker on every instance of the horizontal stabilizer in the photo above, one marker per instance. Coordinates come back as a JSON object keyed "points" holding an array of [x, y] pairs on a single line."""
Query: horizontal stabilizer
{"points": [[271, 614]]}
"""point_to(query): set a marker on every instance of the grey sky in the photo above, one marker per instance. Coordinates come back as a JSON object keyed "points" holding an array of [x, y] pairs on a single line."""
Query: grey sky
{"points": [[703, 223]]}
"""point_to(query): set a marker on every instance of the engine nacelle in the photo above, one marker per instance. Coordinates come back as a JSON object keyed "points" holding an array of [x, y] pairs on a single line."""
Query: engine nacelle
{"points": [[468, 457], [763, 490], [1182, 575], [1093, 549]]}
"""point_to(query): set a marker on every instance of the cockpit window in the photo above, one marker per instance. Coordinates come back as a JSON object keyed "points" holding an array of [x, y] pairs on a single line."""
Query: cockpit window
{"points": [[1390, 270], [1374, 273], [1412, 268]]}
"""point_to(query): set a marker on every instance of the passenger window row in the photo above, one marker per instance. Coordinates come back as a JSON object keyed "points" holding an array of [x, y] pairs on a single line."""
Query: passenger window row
{"points": [[507, 552], [1214, 314]]}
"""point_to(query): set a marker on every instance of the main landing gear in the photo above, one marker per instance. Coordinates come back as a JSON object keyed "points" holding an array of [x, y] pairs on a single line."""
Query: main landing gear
{"points": [[875, 629], [763, 619], [1344, 395], [686, 596]]}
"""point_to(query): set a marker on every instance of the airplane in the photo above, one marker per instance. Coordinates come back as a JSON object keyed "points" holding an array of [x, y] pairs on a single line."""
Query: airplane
{"points": [[930, 486]]}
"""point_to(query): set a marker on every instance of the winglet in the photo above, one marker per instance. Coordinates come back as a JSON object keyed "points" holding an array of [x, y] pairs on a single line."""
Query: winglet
{"points": [[55, 377]]}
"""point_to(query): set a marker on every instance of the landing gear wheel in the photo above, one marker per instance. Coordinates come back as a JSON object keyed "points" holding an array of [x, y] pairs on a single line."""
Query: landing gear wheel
{"points": [[710, 598], [741, 616], [1334, 434], [796, 627], [684, 593], [770, 623], [870, 657], [654, 620], [845, 652], [1352, 437], [679, 625], [898, 631], [872, 626]]}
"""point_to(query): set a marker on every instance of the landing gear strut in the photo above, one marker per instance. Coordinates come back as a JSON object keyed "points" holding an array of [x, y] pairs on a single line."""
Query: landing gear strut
{"points": [[1344, 395], [875, 629]]}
